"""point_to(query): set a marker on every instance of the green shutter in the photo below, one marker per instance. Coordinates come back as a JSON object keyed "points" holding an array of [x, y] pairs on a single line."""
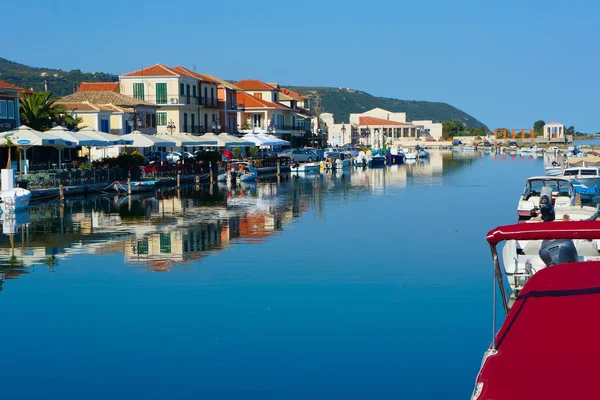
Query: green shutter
{"points": [[161, 93], [161, 118], [138, 91]]}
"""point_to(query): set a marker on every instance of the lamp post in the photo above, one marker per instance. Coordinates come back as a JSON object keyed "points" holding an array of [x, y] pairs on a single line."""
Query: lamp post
{"points": [[343, 134], [171, 127], [216, 125], [135, 120], [271, 127], [367, 133]]}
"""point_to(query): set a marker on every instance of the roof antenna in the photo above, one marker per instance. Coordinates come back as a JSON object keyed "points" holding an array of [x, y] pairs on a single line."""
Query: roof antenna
{"points": [[194, 65]]}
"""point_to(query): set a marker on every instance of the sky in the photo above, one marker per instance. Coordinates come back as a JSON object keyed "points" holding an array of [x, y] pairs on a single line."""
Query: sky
{"points": [[507, 63]]}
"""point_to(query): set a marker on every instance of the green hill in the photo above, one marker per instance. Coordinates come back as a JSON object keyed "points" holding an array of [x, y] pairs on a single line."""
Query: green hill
{"points": [[341, 102], [59, 82]]}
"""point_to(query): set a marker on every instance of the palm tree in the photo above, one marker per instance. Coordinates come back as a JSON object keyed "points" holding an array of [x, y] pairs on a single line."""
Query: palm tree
{"points": [[39, 110]]}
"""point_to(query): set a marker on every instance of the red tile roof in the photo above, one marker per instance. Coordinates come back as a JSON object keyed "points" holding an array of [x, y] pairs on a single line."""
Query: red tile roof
{"points": [[99, 87], [553, 123], [155, 70], [186, 72], [378, 121], [292, 94], [249, 101], [253, 84], [6, 85]]}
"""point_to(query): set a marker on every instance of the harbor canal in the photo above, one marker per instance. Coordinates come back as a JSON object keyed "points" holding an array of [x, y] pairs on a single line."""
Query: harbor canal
{"points": [[368, 284]]}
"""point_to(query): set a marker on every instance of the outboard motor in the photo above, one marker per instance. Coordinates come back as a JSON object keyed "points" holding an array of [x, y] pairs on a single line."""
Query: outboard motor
{"points": [[559, 251], [546, 207]]}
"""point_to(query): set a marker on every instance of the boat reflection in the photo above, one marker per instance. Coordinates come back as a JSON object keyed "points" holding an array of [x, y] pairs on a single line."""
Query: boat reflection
{"points": [[172, 228]]}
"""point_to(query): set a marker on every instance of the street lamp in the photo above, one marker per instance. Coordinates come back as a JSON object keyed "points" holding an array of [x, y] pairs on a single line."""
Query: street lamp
{"points": [[171, 127], [135, 120], [367, 133], [216, 125], [271, 127], [343, 134]]}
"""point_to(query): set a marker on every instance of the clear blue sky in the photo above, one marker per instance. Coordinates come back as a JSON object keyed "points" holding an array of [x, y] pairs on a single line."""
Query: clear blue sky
{"points": [[507, 63]]}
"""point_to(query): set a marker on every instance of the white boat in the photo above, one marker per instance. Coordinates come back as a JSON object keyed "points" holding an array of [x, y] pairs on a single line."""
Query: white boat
{"points": [[12, 198], [335, 160], [239, 171], [409, 154], [134, 186], [563, 194], [588, 176], [305, 167]]}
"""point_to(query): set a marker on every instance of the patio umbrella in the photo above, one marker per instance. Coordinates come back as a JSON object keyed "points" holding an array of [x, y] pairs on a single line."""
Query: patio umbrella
{"points": [[84, 139], [26, 137], [112, 139], [233, 141], [186, 140], [258, 141], [139, 139], [274, 139]]}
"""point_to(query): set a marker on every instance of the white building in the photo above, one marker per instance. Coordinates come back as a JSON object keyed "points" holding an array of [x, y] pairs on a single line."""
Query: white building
{"points": [[379, 127], [554, 130]]}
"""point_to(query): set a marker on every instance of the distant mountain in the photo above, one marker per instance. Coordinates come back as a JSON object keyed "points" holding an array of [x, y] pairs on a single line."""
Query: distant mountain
{"points": [[59, 82], [341, 102]]}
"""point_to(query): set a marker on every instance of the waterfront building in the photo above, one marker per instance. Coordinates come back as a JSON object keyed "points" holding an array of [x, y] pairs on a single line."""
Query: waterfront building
{"points": [[103, 108], [379, 128], [554, 132], [302, 117], [9, 106], [228, 104], [260, 110], [188, 100]]}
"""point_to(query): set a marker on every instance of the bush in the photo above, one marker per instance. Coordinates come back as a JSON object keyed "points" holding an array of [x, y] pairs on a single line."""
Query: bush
{"points": [[209, 156], [253, 151], [237, 152]]}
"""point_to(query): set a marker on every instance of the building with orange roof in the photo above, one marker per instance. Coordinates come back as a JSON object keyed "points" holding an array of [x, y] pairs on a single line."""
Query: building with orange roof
{"points": [[9, 106], [228, 104], [188, 100], [99, 87], [261, 109]]}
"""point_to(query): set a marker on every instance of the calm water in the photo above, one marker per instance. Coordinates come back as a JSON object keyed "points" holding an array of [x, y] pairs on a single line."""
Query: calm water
{"points": [[371, 284]]}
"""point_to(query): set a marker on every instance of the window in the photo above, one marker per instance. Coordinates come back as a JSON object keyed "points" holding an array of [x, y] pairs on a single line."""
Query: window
{"points": [[104, 125], [161, 93], [3, 112], [187, 90], [212, 95], [148, 121], [153, 120], [258, 95], [161, 118], [138, 91], [165, 243], [205, 94], [181, 89], [194, 91], [193, 116], [274, 97], [185, 121], [11, 109]]}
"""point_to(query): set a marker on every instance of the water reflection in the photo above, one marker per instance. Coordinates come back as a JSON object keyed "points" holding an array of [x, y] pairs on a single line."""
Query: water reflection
{"points": [[172, 228]]}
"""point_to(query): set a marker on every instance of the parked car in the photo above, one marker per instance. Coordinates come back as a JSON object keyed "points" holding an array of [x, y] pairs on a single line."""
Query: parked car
{"points": [[300, 155], [177, 156]]}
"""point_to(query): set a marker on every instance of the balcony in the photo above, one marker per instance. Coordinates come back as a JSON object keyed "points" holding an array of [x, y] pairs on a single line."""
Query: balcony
{"points": [[196, 129], [209, 101], [172, 99], [228, 106]]}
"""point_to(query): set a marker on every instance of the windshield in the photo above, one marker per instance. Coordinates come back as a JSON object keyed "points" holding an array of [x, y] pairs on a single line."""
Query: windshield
{"points": [[559, 188]]}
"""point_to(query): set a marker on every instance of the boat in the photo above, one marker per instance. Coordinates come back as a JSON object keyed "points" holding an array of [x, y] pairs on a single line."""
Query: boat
{"points": [[394, 157], [588, 176], [546, 346], [305, 167], [421, 153], [134, 186], [361, 159], [409, 154], [563, 194], [335, 160], [240, 171], [375, 160], [12, 198]]}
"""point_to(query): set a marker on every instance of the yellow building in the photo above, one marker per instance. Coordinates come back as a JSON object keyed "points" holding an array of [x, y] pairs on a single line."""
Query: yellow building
{"points": [[188, 101]]}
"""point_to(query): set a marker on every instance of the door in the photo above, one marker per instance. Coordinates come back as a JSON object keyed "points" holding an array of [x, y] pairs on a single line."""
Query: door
{"points": [[185, 122]]}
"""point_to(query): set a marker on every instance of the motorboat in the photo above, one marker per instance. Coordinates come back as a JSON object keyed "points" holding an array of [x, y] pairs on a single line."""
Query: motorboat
{"points": [[305, 167], [12, 198], [134, 186], [546, 345], [588, 176], [335, 160], [410, 154], [240, 171], [376, 160], [394, 159], [361, 159], [563, 194]]}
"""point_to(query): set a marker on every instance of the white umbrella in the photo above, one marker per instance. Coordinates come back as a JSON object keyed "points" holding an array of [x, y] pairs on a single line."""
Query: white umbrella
{"points": [[139, 139], [186, 140], [258, 141], [112, 139], [274, 139], [26, 137], [233, 141]]}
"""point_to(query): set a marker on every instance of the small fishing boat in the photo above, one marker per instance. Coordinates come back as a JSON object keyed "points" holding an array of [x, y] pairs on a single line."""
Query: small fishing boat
{"points": [[12, 198], [394, 159], [334, 160], [410, 155], [239, 171], [422, 153], [546, 347], [305, 167], [375, 161], [134, 186]]}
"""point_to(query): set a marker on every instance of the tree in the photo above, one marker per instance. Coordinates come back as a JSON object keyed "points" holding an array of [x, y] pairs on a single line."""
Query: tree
{"points": [[570, 130], [237, 152], [452, 128], [39, 110], [538, 127], [253, 151]]}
